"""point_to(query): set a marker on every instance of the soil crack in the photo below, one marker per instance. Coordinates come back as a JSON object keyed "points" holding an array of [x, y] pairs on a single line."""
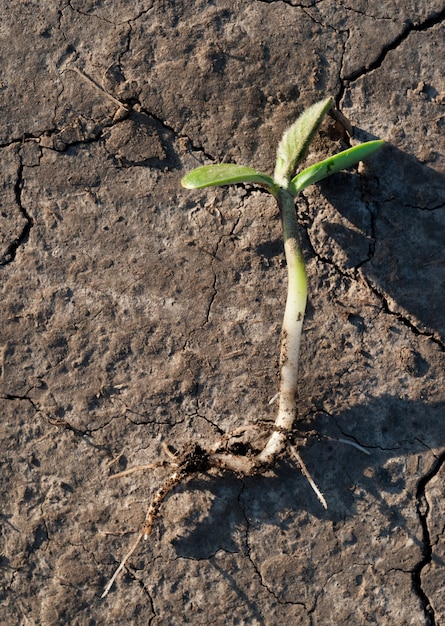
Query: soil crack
{"points": [[423, 511], [430, 22], [23, 237]]}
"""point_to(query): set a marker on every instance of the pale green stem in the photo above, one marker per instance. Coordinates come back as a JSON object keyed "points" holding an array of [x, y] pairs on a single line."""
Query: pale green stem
{"points": [[292, 327]]}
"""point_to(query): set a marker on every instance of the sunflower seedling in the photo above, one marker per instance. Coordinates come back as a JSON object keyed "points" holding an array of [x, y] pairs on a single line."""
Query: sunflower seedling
{"points": [[284, 186]]}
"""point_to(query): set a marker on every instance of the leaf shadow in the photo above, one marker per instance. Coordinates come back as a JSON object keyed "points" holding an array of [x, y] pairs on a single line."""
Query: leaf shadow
{"points": [[398, 207]]}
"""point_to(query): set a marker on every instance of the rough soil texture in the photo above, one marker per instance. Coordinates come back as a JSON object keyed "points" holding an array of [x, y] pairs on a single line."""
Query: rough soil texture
{"points": [[136, 313]]}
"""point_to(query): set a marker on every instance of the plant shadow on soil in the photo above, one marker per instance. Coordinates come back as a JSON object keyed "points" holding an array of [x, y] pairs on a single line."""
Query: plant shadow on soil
{"points": [[407, 203], [391, 428]]}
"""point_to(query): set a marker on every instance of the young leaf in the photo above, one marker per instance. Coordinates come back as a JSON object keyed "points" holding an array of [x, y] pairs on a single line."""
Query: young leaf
{"points": [[296, 139], [225, 174], [334, 164]]}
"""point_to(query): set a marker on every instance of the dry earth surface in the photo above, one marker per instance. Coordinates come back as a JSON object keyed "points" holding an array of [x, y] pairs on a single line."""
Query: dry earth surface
{"points": [[135, 313]]}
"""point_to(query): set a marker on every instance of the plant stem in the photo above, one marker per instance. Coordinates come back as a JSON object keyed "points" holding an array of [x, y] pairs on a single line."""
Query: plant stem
{"points": [[292, 326]]}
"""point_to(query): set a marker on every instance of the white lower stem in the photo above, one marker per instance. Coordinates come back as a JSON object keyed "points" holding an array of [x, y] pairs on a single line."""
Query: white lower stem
{"points": [[291, 331]]}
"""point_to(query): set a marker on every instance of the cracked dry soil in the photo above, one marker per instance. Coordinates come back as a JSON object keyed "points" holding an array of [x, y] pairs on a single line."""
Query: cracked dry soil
{"points": [[135, 313]]}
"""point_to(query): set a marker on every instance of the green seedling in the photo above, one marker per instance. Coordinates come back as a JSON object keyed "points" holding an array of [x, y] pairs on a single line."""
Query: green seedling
{"points": [[284, 186]]}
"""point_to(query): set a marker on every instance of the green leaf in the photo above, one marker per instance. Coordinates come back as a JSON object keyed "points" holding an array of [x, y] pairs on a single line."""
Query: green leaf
{"points": [[296, 139], [333, 164], [225, 174]]}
